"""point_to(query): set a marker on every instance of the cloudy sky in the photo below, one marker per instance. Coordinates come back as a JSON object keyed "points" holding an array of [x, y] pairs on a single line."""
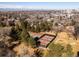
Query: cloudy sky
{"points": [[40, 5]]}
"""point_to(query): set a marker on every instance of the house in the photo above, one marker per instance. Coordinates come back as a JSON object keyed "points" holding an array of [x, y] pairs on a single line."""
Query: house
{"points": [[45, 40], [33, 34]]}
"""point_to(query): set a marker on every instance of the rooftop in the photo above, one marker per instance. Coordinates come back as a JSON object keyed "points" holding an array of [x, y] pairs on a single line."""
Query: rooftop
{"points": [[46, 39]]}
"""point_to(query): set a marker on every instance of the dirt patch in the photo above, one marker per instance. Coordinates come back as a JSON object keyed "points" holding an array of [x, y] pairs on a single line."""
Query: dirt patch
{"points": [[23, 50]]}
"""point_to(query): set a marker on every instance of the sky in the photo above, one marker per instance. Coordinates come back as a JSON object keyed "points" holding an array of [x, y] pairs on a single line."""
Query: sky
{"points": [[40, 5]]}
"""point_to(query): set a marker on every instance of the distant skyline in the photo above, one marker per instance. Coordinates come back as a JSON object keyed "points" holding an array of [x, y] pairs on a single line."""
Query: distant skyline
{"points": [[40, 5]]}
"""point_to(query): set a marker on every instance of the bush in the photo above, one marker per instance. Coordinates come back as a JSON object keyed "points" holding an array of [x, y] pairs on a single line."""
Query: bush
{"points": [[76, 31], [2, 25], [69, 51], [57, 50], [32, 42], [39, 53], [24, 35], [14, 33]]}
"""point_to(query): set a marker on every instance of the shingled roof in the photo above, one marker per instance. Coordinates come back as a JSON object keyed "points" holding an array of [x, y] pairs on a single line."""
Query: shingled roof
{"points": [[46, 39]]}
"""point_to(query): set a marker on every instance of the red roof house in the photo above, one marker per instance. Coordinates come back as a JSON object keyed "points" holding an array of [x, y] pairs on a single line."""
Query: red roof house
{"points": [[46, 39]]}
